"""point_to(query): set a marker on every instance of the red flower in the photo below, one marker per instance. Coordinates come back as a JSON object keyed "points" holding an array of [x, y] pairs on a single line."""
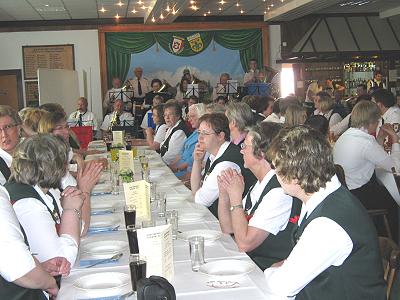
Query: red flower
{"points": [[294, 219]]}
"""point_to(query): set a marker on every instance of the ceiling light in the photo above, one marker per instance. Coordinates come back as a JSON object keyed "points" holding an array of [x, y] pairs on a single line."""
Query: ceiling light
{"points": [[162, 17], [205, 15], [192, 2], [46, 5], [241, 11], [194, 7], [117, 16], [222, 2], [168, 9], [219, 8], [102, 10], [120, 4], [140, 2], [143, 7], [209, 12], [134, 11], [174, 11], [153, 19], [237, 4]]}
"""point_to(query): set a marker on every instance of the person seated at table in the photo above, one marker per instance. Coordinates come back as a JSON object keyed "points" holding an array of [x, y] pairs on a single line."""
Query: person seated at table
{"points": [[21, 275], [240, 116], [319, 123], [87, 174], [112, 94], [390, 113], [10, 127], [30, 121], [325, 106], [50, 218], [83, 117], [145, 122], [262, 222], [176, 134], [154, 137], [214, 138], [359, 154], [116, 118], [336, 253], [183, 162], [295, 115]]}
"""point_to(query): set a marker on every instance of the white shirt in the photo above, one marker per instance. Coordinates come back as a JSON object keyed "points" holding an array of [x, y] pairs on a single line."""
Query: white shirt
{"points": [[111, 95], [144, 84], [209, 192], [160, 134], [323, 244], [359, 154], [273, 118], [8, 160], [250, 77], [334, 117], [273, 213], [40, 229], [145, 121], [125, 116], [15, 258], [340, 127], [391, 116], [175, 146], [88, 119]]}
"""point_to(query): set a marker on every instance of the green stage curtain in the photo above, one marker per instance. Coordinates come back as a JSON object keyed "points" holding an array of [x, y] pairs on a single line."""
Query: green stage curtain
{"points": [[121, 45]]}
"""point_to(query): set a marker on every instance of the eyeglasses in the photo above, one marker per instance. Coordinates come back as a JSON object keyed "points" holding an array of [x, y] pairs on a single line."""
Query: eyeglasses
{"points": [[169, 115], [206, 133], [8, 127], [244, 146], [61, 127]]}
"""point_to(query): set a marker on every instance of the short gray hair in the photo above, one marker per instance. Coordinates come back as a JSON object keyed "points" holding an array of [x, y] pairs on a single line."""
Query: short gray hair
{"points": [[240, 113], [8, 111], [200, 109], [40, 159]]}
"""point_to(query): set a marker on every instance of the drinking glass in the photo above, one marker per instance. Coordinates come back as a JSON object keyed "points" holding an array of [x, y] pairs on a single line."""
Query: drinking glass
{"points": [[172, 218], [137, 266], [131, 231], [130, 215], [196, 250]]}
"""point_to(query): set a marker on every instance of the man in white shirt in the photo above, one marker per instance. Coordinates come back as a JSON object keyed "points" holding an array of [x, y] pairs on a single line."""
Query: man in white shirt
{"points": [[82, 117], [386, 101], [214, 137], [21, 275], [116, 118], [140, 85], [176, 134], [336, 255], [252, 75], [220, 88]]}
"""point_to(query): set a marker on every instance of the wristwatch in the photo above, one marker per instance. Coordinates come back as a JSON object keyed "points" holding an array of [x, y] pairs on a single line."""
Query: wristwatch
{"points": [[233, 207]]}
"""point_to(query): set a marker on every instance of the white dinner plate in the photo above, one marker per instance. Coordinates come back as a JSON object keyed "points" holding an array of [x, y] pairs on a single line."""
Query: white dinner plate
{"points": [[209, 235], [104, 221], [156, 174], [103, 284], [98, 207], [227, 268], [103, 249], [190, 216]]}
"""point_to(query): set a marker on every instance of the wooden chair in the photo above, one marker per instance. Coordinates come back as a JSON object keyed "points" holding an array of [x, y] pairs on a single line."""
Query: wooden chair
{"points": [[390, 253]]}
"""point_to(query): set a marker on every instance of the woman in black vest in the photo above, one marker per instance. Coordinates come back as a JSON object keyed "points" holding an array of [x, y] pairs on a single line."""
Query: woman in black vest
{"points": [[261, 221], [52, 229], [336, 255]]}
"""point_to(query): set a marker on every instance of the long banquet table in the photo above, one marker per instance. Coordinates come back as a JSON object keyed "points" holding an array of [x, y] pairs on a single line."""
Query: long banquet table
{"points": [[188, 284]]}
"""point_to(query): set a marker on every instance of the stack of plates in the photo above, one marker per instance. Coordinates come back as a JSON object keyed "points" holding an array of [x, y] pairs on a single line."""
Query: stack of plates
{"points": [[104, 284]]}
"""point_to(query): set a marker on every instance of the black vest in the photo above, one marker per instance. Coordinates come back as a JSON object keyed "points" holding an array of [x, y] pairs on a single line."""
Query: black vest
{"points": [[275, 247], [11, 291], [165, 146], [4, 169], [361, 274], [232, 154]]}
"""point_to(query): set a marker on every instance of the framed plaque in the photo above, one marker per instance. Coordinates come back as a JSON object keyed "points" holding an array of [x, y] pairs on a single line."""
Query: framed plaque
{"points": [[31, 92], [49, 57]]}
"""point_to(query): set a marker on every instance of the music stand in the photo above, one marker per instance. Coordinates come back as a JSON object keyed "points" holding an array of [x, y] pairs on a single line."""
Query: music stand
{"points": [[259, 89], [192, 90], [129, 129], [126, 95]]}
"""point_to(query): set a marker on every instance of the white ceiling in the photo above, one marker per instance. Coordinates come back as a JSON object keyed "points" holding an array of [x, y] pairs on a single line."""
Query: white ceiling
{"points": [[275, 10]]}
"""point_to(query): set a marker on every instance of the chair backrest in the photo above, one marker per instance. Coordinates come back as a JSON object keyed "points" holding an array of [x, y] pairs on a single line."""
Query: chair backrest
{"points": [[340, 174], [390, 253]]}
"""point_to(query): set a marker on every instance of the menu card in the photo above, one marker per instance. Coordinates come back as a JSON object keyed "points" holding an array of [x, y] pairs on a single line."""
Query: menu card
{"points": [[118, 137], [138, 193], [126, 160], [156, 244]]}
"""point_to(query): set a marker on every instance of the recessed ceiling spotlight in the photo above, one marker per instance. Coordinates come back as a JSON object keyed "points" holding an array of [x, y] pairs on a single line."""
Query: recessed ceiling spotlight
{"points": [[222, 2], [143, 7], [134, 11], [162, 17], [117, 16], [194, 7], [209, 12], [153, 19], [237, 4], [102, 10], [120, 4], [241, 11], [140, 2], [219, 8]]}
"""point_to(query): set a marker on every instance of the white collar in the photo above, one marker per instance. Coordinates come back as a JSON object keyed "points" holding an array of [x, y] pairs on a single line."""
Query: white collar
{"points": [[221, 151], [319, 196], [6, 157]]}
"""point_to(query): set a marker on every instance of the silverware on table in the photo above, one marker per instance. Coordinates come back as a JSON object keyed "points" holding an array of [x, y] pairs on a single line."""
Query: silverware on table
{"points": [[113, 258]]}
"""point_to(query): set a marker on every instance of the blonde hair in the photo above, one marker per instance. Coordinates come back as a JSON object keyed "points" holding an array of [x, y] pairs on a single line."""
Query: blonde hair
{"points": [[326, 103], [364, 113], [295, 115], [49, 121], [32, 118]]}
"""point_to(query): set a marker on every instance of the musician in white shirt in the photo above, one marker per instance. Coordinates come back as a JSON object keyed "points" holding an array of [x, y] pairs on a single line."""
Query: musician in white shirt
{"points": [[116, 118], [140, 85], [82, 117], [112, 94]]}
